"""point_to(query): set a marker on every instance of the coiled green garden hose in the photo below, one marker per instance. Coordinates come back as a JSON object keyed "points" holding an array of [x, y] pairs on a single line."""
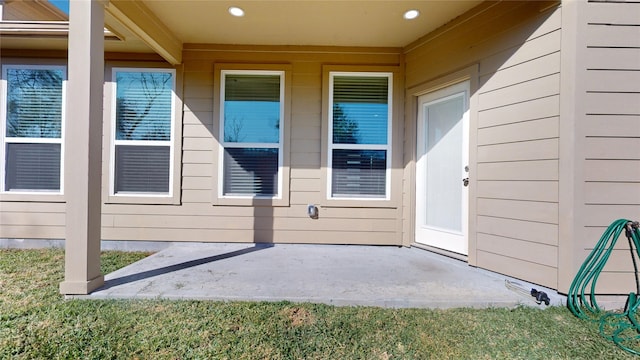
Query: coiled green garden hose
{"points": [[622, 328]]}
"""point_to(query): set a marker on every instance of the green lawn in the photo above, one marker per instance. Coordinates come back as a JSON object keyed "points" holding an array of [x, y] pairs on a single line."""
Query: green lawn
{"points": [[37, 323]]}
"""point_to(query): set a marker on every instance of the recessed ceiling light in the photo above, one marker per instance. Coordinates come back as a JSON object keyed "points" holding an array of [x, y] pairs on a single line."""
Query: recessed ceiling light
{"points": [[411, 14], [236, 11]]}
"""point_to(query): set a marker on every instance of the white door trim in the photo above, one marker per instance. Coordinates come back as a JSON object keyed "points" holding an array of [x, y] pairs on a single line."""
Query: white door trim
{"points": [[447, 239]]}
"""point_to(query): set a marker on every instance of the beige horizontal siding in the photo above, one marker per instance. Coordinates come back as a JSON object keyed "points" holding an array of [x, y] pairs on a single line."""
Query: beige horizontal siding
{"points": [[207, 210], [305, 146], [620, 258], [530, 270], [523, 72], [606, 193], [304, 132], [25, 206], [519, 151], [614, 36], [197, 170], [613, 80], [612, 125], [531, 110], [32, 220], [518, 170], [612, 170], [523, 131], [535, 211], [534, 232], [529, 251], [621, 103], [606, 58], [252, 222], [32, 231], [534, 89], [497, 33], [605, 214], [619, 14], [616, 283], [199, 157], [517, 48], [518, 190], [542, 47], [593, 235], [612, 148], [308, 160], [200, 118], [215, 235], [197, 219]]}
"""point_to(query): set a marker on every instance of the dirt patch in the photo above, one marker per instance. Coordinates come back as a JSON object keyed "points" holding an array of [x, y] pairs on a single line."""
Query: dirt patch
{"points": [[299, 316]]}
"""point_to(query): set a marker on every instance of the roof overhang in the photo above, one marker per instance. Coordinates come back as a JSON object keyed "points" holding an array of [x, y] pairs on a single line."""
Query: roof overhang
{"points": [[167, 27], [47, 29], [138, 19]]}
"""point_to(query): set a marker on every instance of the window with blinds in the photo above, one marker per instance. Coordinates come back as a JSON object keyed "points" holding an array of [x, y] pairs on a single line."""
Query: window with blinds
{"points": [[251, 127], [33, 123], [360, 142], [143, 131]]}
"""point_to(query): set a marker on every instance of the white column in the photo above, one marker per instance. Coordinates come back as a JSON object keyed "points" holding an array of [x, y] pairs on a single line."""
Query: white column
{"points": [[83, 147]]}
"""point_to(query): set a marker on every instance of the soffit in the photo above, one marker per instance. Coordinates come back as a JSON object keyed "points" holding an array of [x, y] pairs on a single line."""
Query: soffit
{"points": [[373, 23], [377, 23]]}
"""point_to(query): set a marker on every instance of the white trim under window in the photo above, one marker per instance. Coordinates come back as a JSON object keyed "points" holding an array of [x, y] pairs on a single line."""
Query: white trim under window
{"points": [[251, 151], [359, 158], [32, 152], [143, 133]]}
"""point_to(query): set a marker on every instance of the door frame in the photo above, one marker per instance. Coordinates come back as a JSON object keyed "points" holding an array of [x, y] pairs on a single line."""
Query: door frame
{"points": [[470, 74]]}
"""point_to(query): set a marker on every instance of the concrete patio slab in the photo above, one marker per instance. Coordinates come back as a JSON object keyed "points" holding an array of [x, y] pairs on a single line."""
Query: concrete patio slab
{"points": [[330, 274]]}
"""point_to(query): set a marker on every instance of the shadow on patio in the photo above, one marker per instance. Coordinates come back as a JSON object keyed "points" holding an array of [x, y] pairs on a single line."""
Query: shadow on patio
{"points": [[338, 275]]}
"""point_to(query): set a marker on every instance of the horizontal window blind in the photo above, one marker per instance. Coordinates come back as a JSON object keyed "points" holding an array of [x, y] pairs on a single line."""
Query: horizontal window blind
{"points": [[32, 166], [250, 171], [360, 110], [251, 126], [143, 105], [252, 108], [360, 89], [359, 173], [34, 103], [142, 169], [360, 141], [251, 87], [143, 131]]}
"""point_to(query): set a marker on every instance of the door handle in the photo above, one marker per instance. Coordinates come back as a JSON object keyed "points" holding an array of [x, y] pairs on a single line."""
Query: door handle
{"points": [[465, 181]]}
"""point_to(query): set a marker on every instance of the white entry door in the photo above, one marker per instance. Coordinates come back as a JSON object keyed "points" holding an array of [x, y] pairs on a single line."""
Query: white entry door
{"points": [[442, 197]]}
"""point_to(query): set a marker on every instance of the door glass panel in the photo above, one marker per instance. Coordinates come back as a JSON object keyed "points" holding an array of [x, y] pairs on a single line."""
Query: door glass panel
{"points": [[443, 138]]}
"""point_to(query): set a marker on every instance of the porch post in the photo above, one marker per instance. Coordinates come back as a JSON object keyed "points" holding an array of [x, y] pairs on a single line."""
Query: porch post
{"points": [[83, 147]]}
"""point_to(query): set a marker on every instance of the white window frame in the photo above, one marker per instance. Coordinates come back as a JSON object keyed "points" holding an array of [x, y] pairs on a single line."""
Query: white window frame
{"points": [[114, 142], [388, 146], [281, 137], [4, 93]]}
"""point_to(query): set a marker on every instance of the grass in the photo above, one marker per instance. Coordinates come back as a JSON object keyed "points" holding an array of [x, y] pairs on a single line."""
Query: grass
{"points": [[37, 323]]}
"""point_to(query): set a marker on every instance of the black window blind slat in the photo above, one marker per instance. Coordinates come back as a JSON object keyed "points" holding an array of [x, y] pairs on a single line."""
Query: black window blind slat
{"points": [[142, 169], [32, 166]]}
